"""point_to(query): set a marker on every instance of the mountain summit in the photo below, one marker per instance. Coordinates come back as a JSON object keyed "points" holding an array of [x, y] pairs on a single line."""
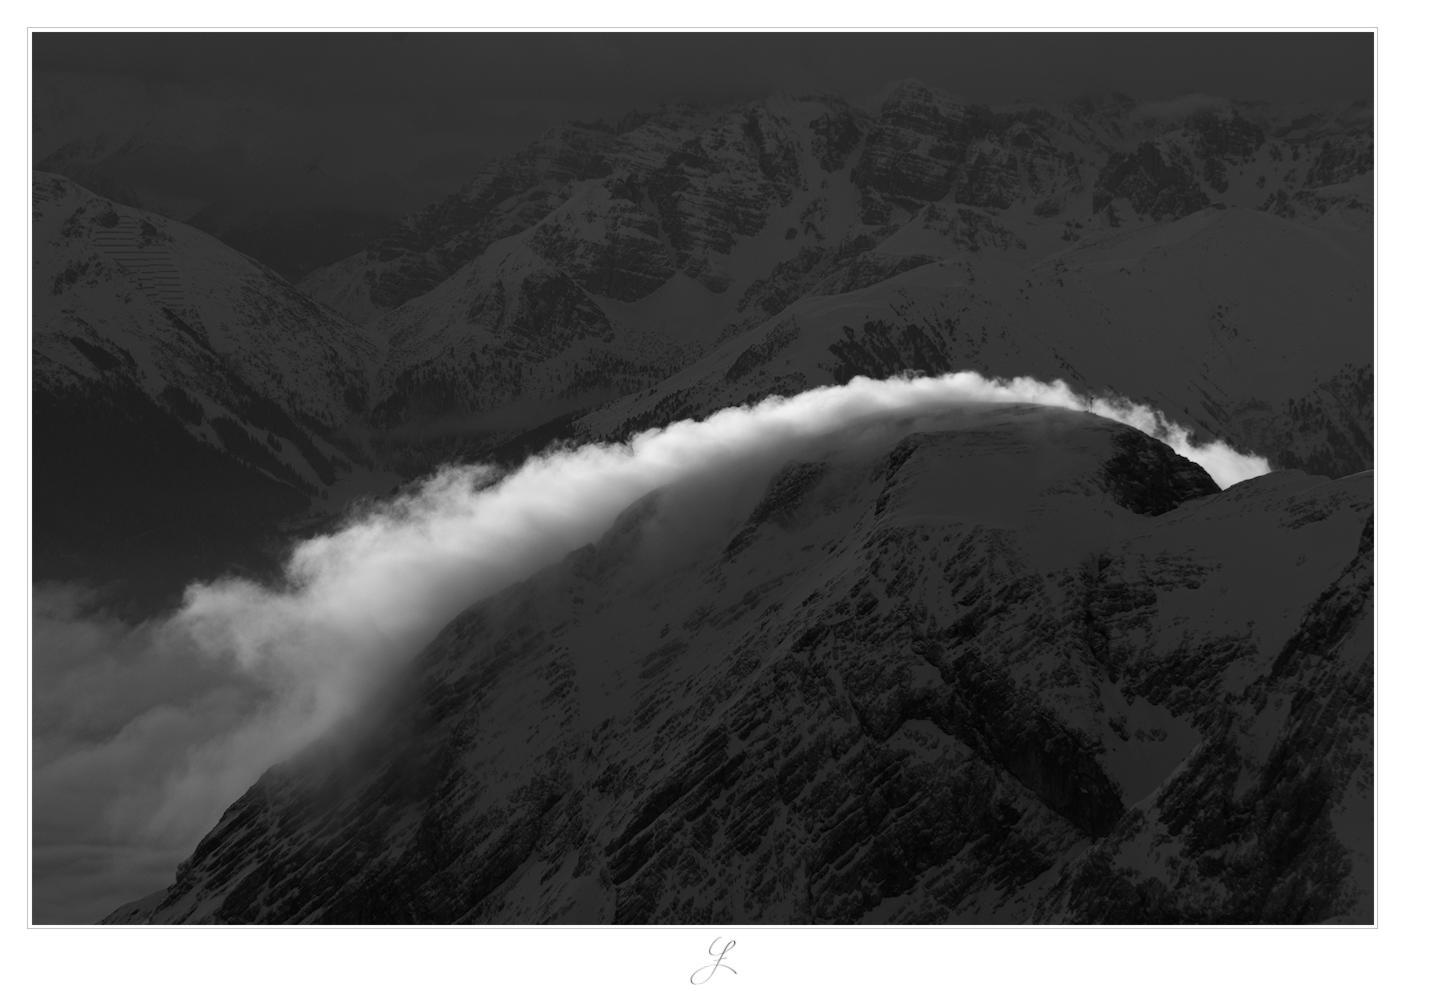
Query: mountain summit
{"points": [[1007, 668]]}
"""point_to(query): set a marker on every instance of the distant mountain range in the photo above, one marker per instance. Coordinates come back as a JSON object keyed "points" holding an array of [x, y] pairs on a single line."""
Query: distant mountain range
{"points": [[811, 240]]}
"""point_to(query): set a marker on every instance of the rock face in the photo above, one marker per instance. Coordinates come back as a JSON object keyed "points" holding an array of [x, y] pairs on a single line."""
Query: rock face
{"points": [[1005, 666], [1155, 188], [924, 148], [1018, 240]]}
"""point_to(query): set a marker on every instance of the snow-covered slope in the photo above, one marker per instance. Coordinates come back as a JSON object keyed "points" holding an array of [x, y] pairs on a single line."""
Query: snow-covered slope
{"points": [[1236, 322], [174, 376], [1217, 262], [108, 274], [505, 345], [1010, 667]]}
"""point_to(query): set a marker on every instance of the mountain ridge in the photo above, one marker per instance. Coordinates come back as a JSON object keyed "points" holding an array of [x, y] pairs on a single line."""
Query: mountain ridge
{"points": [[687, 228], [863, 736]]}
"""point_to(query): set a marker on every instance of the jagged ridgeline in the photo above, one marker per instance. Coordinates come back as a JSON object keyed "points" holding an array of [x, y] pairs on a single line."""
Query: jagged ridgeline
{"points": [[1215, 262]]}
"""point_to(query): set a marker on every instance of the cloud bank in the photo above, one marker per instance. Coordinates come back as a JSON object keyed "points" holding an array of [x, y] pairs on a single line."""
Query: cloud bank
{"points": [[145, 734]]}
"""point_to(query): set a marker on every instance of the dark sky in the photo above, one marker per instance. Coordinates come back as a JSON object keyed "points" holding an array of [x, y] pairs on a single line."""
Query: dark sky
{"points": [[632, 69], [392, 121]]}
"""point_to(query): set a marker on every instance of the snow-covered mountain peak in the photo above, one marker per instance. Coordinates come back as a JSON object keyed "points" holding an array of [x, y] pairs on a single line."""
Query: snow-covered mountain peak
{"points": [[863, 688]]}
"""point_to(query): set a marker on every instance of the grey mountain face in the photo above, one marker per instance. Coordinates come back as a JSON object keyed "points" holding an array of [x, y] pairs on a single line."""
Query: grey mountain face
{"points": [[1214, 263], [1024, 665], [687, 185]]}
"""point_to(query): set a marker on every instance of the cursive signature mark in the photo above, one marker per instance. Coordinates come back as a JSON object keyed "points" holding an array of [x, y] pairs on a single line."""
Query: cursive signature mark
{"points": [[710, 968]]}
